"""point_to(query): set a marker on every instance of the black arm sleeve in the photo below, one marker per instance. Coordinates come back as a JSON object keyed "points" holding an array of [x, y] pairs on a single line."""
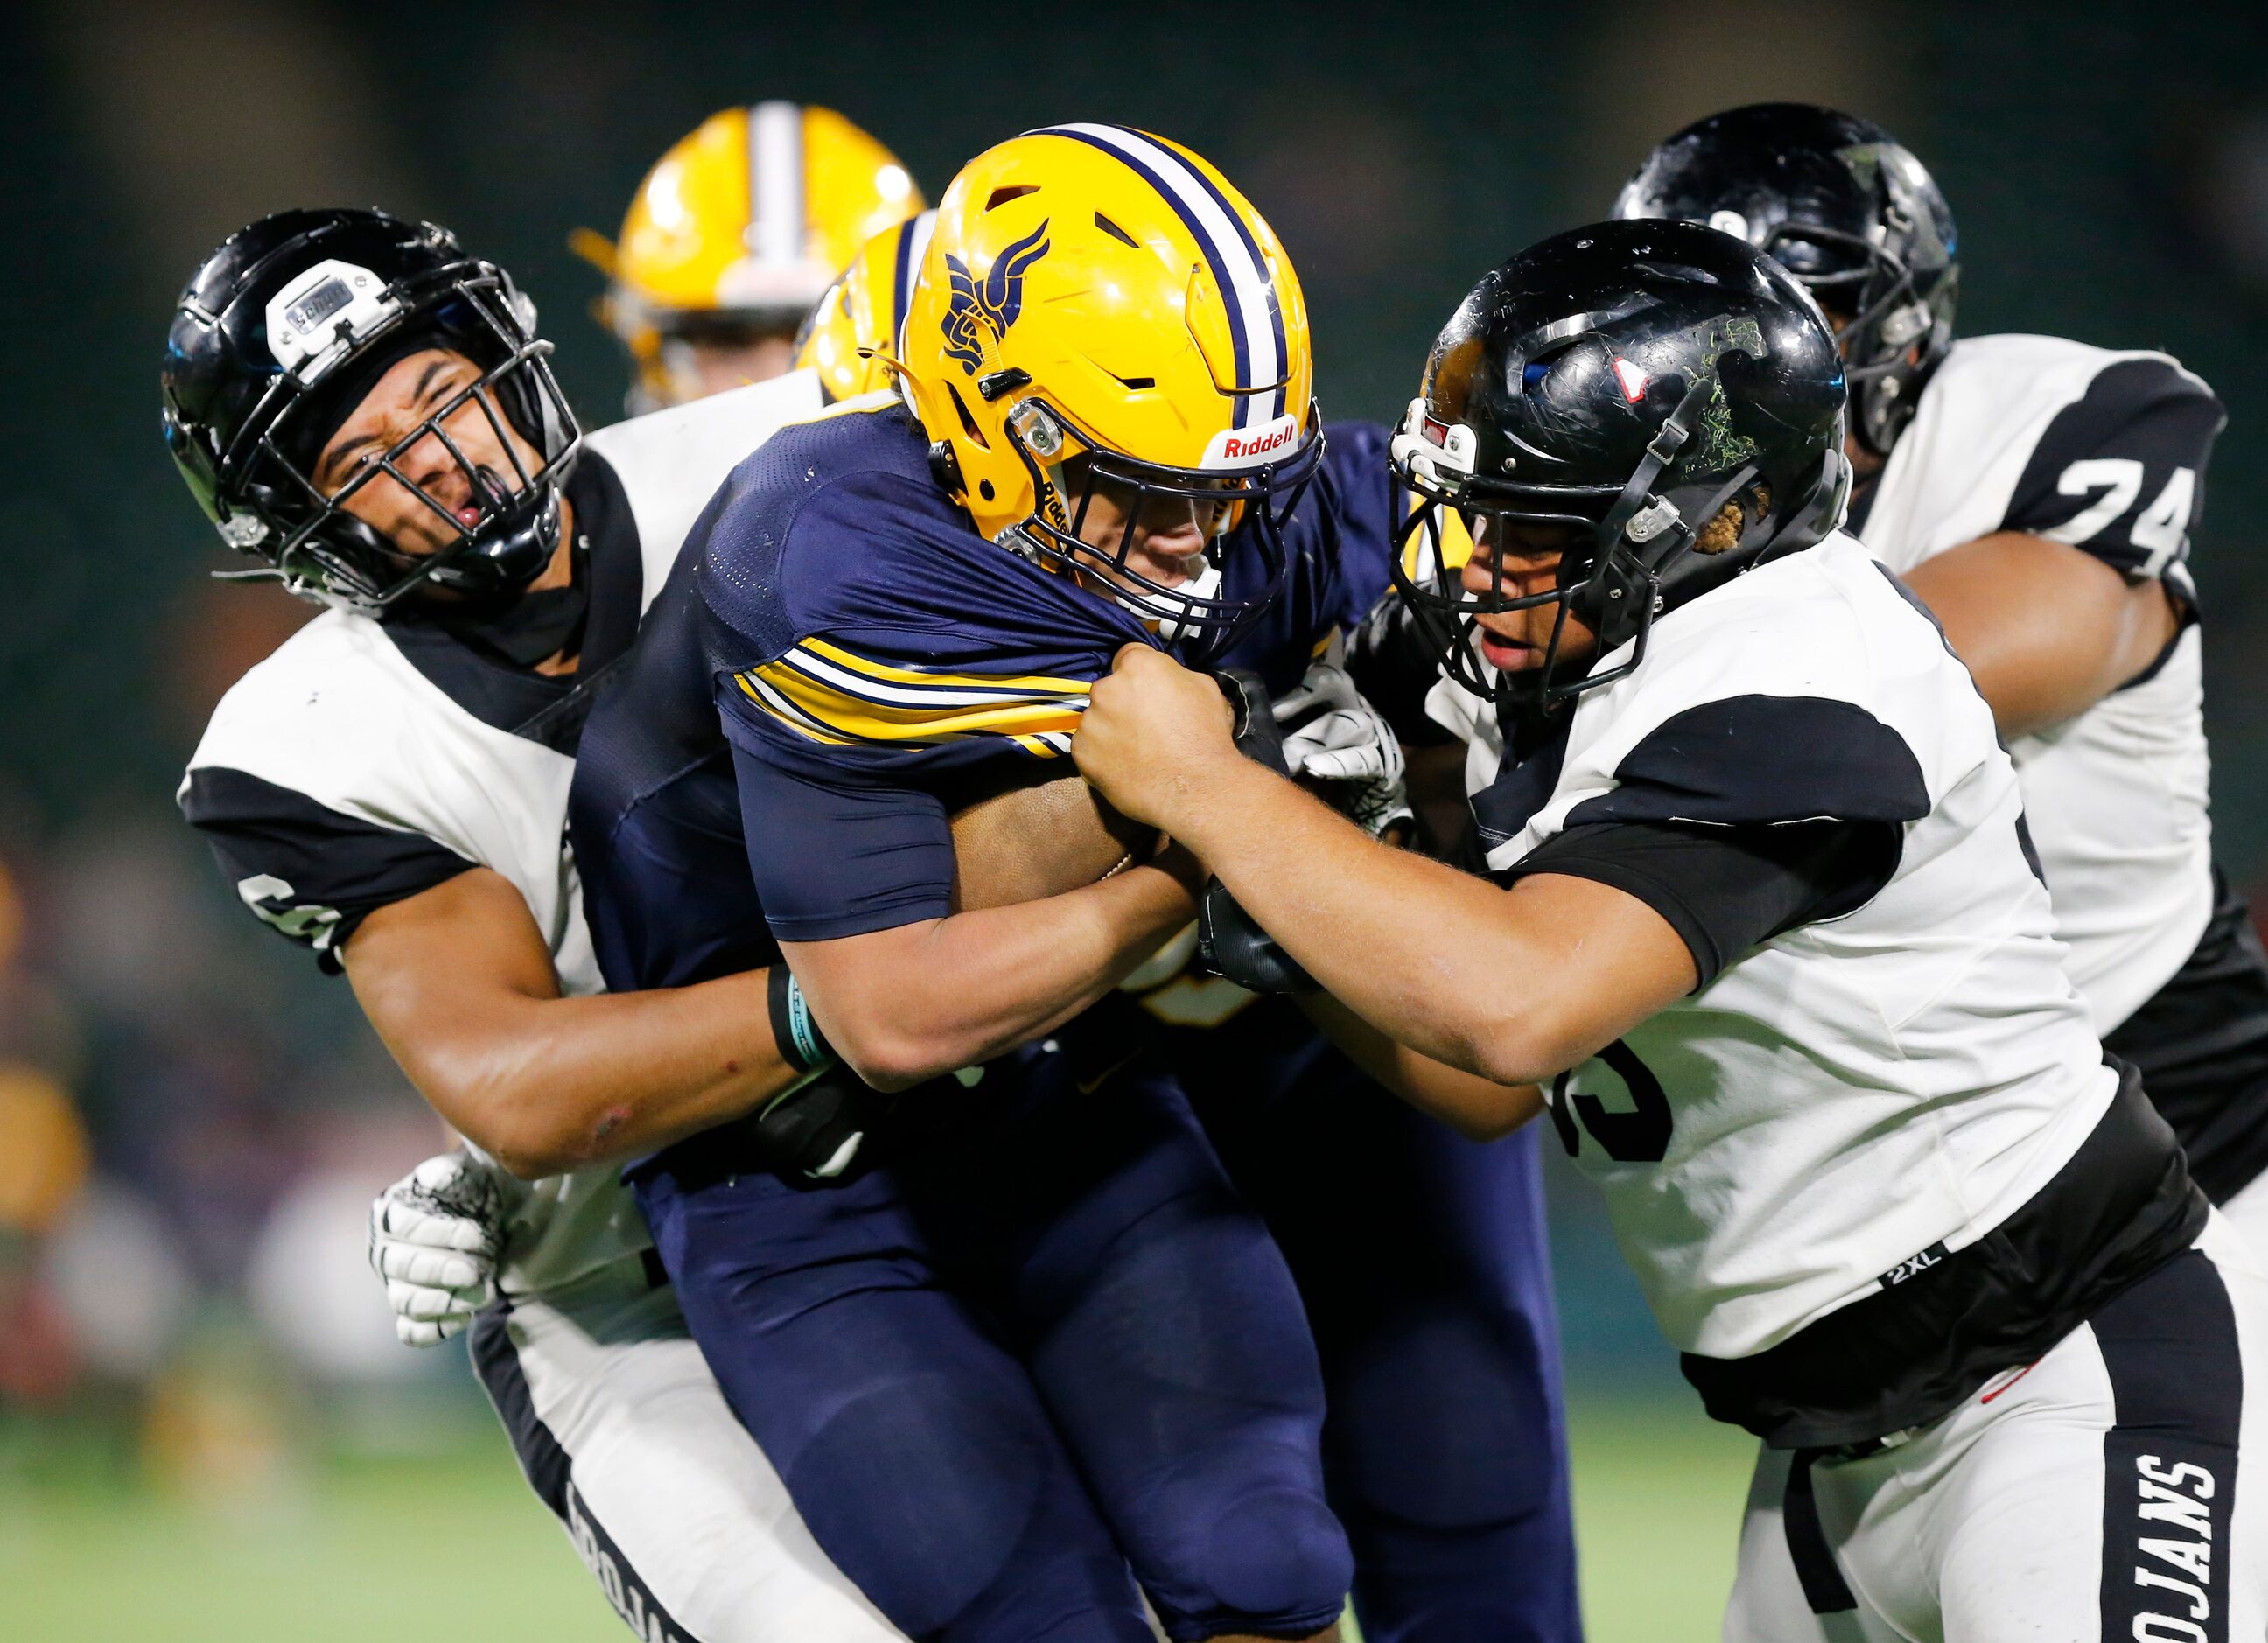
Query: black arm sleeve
{"points": [[1727, 889], [312, 874], [1741, 818]]}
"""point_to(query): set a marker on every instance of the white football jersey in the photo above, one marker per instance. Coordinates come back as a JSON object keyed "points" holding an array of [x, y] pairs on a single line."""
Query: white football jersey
{"points": [[1858, 1092], [2105, 450], [364, 762]]}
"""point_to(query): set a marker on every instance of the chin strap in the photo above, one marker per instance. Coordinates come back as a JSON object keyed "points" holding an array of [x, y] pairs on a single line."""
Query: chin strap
{"points": [[1642, 517], [1646, 522]]}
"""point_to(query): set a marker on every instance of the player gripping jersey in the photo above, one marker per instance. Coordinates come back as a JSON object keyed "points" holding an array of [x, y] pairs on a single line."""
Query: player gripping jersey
{"points": [[1768, 947], [397, 755], [1040, 1313]]}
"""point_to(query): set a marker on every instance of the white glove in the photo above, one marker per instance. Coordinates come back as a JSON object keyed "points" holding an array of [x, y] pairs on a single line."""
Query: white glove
{"points": [[1331, 735], [435, 1236]]}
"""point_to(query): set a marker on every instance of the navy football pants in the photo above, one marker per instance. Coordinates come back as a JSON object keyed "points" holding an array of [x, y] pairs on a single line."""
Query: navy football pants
{"points": [[1422, 1259], [1047, 1341]]}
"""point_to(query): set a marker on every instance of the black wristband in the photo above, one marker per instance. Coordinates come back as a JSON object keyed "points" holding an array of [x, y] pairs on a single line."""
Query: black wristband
{"points": [[1231, 944], [801, 1044]]}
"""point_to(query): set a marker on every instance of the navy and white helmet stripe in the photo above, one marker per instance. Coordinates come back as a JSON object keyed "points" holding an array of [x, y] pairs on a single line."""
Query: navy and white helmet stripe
{"points": [[776, 232], [1255, 318], [913, 242]]}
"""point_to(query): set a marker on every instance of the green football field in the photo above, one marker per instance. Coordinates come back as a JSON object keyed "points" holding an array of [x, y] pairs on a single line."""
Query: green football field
{"points": [[371, 1551]]}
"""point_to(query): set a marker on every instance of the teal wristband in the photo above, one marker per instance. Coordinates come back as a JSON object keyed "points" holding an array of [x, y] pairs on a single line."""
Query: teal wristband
{"points": [[801, 1044]]}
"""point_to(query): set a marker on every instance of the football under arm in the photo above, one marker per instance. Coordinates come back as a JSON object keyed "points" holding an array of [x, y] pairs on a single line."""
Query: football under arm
{"points": [[2047, 631], [1037, 934]]}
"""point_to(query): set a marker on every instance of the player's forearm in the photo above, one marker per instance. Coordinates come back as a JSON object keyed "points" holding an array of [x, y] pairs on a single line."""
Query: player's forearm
{"points": [[1435, 959], [1474, 1106], [547, 1085], [904, 1006]]}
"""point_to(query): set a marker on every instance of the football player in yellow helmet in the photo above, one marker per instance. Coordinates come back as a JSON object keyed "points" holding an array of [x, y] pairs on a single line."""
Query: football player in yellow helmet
{"points": [[1102, 433], [1065, 1338], [852, 334], [732, 236], [1113, 389], [1087, 412]]}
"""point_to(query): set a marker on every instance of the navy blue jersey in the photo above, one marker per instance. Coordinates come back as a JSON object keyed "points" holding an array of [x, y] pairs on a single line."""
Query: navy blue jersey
{"points": [[653, 819], [879, 664]]}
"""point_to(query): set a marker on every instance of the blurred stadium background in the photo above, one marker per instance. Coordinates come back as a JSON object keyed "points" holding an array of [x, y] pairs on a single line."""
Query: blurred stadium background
{"points": [[205, 1428]]}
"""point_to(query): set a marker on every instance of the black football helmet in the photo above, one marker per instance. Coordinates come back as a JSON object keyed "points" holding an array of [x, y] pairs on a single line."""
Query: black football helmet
{"points": [[1847, 210], [1631, 380], [283, 331]]}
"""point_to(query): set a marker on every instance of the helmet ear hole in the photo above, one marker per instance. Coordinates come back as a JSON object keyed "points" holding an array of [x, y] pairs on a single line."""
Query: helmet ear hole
{"points": [[967, 423], [1723, 534]]}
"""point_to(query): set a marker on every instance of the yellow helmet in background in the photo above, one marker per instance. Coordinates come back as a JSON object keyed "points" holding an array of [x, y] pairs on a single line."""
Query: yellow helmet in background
{"points": [[43, 1150], [1100, 308], [853, 328], [738, 229]]}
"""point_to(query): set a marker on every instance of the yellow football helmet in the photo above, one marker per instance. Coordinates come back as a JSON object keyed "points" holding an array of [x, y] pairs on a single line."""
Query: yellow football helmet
{"points": [[853, 329], [43, 1150], [1100, 308], [735, 232]]}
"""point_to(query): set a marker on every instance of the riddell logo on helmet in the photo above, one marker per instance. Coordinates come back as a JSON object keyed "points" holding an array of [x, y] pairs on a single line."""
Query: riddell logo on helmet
{"points": [[1260, 444], [1247, 447]]}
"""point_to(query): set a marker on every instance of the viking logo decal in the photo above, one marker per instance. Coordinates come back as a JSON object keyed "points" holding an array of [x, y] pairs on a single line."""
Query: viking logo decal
{"points": [[995, 304]]}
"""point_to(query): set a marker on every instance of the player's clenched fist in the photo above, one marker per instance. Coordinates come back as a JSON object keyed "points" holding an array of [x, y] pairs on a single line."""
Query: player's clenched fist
{"points": [[435, 1235], [1150, 730]]}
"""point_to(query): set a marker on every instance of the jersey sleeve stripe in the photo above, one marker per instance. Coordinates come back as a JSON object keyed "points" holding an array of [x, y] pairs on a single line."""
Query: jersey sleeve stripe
{"points": [[821, 707], [1028, 684], [787, 711], [889, 694]]}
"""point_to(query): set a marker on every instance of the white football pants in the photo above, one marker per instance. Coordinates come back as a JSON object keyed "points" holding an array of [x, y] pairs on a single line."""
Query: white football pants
{"points": [[623, 1433], [2114, 1491]]}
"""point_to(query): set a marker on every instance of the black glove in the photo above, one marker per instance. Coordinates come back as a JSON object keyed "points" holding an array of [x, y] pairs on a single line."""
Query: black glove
{"points": [[1258, 737], [1231, 944], [816, 1135]]}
